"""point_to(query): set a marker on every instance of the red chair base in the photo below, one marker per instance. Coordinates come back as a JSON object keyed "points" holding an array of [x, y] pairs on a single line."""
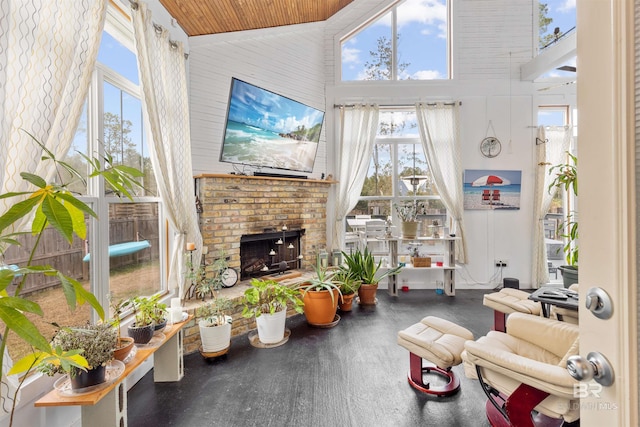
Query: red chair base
{"points": [[417, 370]]}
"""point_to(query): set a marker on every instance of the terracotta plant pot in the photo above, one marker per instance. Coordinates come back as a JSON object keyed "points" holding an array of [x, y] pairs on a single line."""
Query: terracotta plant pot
{"points": [[347, 302], [367, 294], [125, 345], [319, 308]]}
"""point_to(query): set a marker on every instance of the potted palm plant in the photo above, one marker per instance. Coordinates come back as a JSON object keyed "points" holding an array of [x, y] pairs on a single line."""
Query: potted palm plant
{"points": [[566, 179], [349, 285], [364, 267], [320, 296], [95, 343], [267, 301]]}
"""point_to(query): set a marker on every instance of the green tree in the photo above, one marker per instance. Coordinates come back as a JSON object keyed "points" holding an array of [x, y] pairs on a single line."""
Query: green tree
{"points": [[117, 140], [543, 24], [380, 65]]}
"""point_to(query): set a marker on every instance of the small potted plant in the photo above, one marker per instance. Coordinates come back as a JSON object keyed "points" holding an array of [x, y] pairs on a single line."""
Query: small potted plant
{"points": [[143, 328], [363, 266], [215, 323], [408, 214], [320, 296], [349, 285], [95, 343], [267, 301], [124, 344], [215, 326]]}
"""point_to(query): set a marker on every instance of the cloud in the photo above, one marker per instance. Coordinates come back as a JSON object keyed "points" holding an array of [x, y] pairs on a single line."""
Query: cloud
{"points": [[428, 12], [350, 55], [426, 75], [567, 6]]}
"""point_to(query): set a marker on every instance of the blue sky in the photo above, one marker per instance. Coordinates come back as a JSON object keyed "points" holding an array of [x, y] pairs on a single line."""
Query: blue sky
{"points": [[422, 38]]}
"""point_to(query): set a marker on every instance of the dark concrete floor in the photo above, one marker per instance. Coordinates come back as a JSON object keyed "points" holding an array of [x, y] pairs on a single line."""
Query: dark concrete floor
{"points": [[353, 374]]}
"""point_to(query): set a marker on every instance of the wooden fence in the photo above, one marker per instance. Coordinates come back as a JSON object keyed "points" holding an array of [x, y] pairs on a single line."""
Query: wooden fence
{"points": [[54, 250]]}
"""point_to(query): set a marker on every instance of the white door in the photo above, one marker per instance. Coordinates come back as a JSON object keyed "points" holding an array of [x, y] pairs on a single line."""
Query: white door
{"points": [[607, 213]]}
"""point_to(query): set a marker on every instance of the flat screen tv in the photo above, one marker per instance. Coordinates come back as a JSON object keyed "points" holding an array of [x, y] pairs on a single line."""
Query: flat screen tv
{"points": [[267, 130]]}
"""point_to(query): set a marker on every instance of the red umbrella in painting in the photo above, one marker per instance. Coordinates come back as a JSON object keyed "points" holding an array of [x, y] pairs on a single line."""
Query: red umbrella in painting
{"points": [[490, 180]]}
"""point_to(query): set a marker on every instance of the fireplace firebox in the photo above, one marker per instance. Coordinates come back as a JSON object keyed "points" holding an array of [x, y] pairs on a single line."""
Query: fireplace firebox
{"points": [[269, 253]]}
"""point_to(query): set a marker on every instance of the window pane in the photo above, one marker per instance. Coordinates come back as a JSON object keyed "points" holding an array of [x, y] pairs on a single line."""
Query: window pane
{"points": [[75, 159], [124, 136], [134, 267], [46, 291], [554, 14], [379, 176], [118, 57], [367, 54], [422, 40], [415, 176], [397, 124]]}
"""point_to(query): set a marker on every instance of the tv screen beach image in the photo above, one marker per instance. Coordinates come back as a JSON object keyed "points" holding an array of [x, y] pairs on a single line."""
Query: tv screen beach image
{"points": [[264, 129], [492, 189]]}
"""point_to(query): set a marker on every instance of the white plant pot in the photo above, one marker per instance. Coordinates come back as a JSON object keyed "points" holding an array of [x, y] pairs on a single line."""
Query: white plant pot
{"points": [[271, 327], [215, 338]]}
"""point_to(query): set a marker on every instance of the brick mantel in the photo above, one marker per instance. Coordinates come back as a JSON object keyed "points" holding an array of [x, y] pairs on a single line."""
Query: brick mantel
{"points": [[237, 205]]}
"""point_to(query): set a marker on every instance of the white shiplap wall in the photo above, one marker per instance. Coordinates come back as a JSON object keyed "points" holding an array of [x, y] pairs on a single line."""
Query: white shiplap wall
{"points": [[491, 39], [285, 60]]}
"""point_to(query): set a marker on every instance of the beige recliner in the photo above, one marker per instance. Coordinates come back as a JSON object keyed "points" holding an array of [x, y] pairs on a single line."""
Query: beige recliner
{"points": [[508, 301], [525, 370]]}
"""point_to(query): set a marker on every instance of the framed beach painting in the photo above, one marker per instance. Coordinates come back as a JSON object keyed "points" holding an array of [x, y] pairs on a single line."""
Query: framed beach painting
{"points": [[492, 189]]}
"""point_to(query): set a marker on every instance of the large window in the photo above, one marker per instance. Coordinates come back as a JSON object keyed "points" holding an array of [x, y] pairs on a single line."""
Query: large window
{"points": [[398, 172], [555, 227], [114, 258], [409, 41]]}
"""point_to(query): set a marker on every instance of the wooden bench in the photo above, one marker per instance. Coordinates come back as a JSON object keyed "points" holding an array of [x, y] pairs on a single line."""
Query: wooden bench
{"points": [[107, 406]]}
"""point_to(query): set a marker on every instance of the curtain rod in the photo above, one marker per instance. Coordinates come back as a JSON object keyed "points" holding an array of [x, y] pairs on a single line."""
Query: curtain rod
{"points": [[397, 105]]}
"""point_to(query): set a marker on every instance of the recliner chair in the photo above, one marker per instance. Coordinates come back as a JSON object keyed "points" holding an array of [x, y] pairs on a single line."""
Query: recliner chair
{"points": [[524, 373]]}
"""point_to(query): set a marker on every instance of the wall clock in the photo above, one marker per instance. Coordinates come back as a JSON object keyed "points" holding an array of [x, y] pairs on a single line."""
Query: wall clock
{"points": [[490, 147]]}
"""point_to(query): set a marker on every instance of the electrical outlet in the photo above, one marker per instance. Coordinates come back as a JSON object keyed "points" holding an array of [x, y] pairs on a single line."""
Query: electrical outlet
{"points": [[501, 263]]}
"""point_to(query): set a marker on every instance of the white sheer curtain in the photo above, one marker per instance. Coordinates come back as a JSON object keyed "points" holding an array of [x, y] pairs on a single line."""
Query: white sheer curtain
{"points": [[165, 99], [439, 127], [48, 50], [549, 153], [358, 129]]}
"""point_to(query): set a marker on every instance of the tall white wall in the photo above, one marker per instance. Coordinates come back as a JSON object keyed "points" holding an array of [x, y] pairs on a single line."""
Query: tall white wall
{"points": [[491, 39], [285, 60]]}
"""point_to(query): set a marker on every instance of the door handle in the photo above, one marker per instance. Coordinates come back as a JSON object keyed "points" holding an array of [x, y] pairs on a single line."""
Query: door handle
{"points": [[595, 366]]}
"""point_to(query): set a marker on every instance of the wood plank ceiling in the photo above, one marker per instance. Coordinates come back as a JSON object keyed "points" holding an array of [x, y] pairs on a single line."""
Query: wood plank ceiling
{"points": [[199, 17]]}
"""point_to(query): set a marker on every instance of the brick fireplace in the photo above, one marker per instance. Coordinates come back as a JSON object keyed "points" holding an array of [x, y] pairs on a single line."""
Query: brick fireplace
{"points": [[251, 208]]}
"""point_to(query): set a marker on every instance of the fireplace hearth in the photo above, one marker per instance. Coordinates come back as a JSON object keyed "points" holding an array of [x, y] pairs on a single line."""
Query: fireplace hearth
{"points": [[269, 253]]}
